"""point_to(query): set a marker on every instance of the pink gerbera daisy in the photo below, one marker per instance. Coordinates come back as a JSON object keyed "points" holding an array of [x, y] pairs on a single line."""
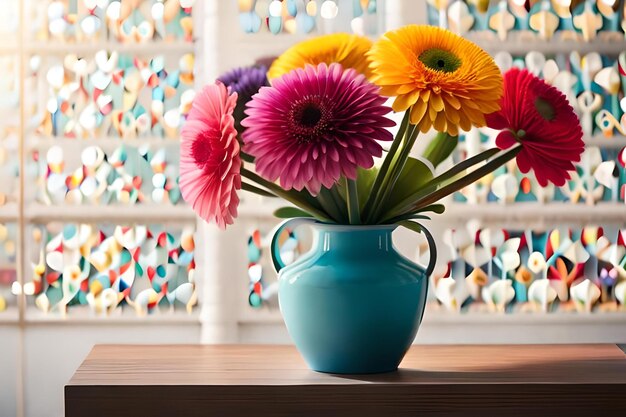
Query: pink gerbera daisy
{"points": [[314, 125], [539, 117], [209, 156]]}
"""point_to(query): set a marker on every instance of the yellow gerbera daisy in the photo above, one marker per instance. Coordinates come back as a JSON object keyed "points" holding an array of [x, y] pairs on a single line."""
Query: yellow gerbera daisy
{"points": [[450, 82], [343, 48]]}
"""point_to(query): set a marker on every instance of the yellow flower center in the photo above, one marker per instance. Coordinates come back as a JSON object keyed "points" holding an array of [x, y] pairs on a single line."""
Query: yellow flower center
{"points": [[440, 60], [545, 109]]}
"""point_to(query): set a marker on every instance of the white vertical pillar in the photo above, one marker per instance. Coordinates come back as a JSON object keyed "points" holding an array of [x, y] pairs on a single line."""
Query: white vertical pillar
{"points": [[393, 14], [403, 12], [217, 314]]}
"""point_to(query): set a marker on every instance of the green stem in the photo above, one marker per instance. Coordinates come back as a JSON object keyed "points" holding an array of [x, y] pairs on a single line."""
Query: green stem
{"points": [[287, 195], [256, 190], [329, 204], [352, 197], [382, 173], [409, 216], [468, 179], [394, 173], [246, 157], [431, 185], [463, 165], [339, 199]]}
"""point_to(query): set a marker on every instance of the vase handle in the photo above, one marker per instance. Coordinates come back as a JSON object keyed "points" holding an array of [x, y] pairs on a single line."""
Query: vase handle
{"points": [[274, 249], [432, 246], [433, 252]]}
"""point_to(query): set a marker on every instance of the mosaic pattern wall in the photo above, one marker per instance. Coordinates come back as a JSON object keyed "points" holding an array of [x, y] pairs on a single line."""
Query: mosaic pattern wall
{"points": [[557, 270], [8, 273], [111, 268], [571, 20], [263, 289], [123, 22], [127, 175], [309, 16], [109, 94], [107, 86], [9, 164]]}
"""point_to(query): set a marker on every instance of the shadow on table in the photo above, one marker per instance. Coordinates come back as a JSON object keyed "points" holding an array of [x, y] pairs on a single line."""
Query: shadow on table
{"points": [[600, 371]]}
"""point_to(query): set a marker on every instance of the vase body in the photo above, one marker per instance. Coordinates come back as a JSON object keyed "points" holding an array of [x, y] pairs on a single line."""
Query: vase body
{"points": [[352, 304]]}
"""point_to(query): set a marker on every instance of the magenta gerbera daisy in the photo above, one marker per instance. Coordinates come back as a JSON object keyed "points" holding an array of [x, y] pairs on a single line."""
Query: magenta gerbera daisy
{"points": [[209, 156], [314, 125]]}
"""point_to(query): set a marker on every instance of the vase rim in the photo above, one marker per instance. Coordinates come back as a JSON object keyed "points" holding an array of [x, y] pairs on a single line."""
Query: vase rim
{"points": [[354, 227]]}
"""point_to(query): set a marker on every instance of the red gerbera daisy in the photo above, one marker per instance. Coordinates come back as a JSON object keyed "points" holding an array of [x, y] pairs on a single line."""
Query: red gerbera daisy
{"points": [[539, 117], [209, 156]]}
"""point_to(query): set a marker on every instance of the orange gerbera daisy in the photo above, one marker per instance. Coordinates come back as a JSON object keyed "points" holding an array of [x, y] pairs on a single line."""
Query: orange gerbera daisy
{"points": [[342, 48], [447, 81]]}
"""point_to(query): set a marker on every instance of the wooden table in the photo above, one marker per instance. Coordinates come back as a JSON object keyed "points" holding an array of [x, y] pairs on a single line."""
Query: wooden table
{"points": [[254, 381]]}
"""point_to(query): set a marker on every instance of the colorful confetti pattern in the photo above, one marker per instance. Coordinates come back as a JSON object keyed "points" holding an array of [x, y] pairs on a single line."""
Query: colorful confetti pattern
{"points": [[559, 270], [112, 268], [8, 247], [262, 291], [308, 16], [109, 94], [125, 22], [583, 20], [128, 175]]}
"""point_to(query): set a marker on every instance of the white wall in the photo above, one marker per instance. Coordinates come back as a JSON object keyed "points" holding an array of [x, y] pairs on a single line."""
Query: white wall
{"points": [[9, 361], [52, 351]]}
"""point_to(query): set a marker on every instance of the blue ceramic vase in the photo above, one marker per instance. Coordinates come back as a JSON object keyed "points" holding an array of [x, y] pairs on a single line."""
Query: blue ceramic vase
{"points": [[352, 304]]}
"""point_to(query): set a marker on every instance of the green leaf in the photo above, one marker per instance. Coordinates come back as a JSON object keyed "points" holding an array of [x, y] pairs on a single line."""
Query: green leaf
{"points": [[469, 178], [435, 208], [364, 182], [256, 190], [416, 227], [458, 170], [408, 216], [387, 162], [326, 199], [440, 148], [412, 178], [414, 215], [290, 212]]}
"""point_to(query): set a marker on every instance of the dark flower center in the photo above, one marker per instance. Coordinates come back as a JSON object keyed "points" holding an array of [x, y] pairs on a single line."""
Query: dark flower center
{"points": [[308, 119], [545, 109], [440, 60], [201, 148], [310, 116]]}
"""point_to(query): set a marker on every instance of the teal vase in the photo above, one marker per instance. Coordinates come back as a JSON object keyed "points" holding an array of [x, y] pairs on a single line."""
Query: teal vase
{"points": [[352, 304]]}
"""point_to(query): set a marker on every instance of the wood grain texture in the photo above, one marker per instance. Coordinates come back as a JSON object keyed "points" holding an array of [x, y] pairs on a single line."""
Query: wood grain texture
{"points": [[243, 380]]}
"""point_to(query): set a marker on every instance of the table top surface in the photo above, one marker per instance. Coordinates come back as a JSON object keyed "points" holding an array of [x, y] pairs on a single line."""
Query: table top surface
{"points": [[270, 365]]}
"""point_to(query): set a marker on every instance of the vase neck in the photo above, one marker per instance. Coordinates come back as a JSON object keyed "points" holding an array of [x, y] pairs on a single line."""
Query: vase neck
{"points": [[353, 238]]}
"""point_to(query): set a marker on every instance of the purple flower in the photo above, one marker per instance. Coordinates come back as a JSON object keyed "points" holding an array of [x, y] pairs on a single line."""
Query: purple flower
{"points": [[246, 82], [314, 125]]}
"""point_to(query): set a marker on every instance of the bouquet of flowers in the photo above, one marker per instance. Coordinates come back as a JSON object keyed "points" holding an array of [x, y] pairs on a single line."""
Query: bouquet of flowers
{"points": [[313, 128]]}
